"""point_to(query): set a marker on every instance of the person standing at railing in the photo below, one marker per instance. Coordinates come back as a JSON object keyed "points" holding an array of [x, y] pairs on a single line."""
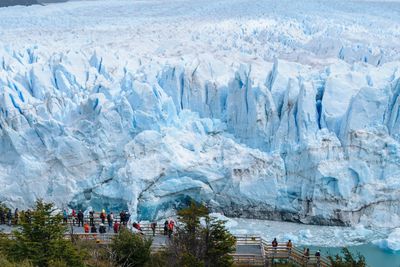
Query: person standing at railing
{"points": [[65, 216], [318, 256], [274, 245], [9, 217], [110, 219], [289, 246], [16, 216], [306, 255], [166, 227], [86, 228], [171, 228], [93, 229], [91, 218], [73, 217], [116, 227], [122, 217], [103, 216], [80, 218], [153, 227]]}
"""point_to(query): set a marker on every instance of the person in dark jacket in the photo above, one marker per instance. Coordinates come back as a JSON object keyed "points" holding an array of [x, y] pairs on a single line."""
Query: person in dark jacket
{"points": [[9, 217], [122, 217], [110, 219], [93, 229], [166, 227], [2, 216], [91, 218], [153, 227], [102, 229], [80, 218]]}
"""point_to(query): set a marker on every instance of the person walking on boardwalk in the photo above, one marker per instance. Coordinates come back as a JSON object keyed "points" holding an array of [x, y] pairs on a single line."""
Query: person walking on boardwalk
{"points": [[116, 227], [16, 216], [153, 227], [2, 216], [289, 246], [9, 217], [80, 218], [170, 228], [73, 215], [318, 256], [91, 218], [166, 227], [110, 219], [122, 217], [306, 255], [65, 216], [103, 216]]}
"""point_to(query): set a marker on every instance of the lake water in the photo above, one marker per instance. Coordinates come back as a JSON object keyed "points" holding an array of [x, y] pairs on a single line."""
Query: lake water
{"points": [[374, 256], [330, 239]]}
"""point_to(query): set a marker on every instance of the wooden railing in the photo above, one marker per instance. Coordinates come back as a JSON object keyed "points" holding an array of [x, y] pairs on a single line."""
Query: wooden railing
{"points": [[267, 252], [295, 255]]}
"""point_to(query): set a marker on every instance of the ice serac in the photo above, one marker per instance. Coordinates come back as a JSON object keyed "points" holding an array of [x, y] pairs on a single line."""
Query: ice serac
{"points": [[255, 109]]}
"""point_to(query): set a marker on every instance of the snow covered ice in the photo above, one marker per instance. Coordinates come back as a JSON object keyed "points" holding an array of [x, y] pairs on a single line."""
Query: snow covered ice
{"points": [[283, 110]]}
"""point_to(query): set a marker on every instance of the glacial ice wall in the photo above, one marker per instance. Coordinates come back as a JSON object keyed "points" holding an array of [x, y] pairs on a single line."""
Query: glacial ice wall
{"points": [[254, 109], [279, 141]]}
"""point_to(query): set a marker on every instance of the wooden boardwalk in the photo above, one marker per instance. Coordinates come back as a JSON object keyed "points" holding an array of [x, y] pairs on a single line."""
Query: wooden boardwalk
{"points": [[250, 250]]}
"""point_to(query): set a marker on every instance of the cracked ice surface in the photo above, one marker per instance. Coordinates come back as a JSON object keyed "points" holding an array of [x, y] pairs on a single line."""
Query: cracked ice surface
{"points": [[284, 111]]}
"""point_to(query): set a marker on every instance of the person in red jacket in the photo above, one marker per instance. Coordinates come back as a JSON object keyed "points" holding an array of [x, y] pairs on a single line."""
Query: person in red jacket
{"points": [[116, 227], [86, 228], [171, 228]]}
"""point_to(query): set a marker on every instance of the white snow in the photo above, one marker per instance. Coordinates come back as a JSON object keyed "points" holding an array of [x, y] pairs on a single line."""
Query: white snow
{"points": [[284, 110]]}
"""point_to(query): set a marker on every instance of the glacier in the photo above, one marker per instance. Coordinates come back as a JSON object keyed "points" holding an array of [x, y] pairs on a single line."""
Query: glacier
{"points": [[284, 111]]}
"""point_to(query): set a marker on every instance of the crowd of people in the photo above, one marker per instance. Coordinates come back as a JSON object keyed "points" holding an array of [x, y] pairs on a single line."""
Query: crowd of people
{"points": [[10, 218], [114, 223], [289, 246]]}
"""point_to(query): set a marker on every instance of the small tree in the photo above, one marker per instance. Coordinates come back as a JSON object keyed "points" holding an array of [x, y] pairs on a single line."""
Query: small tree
{"points": [[131, 249], [347, 260], [196, 245], [40, 239]]}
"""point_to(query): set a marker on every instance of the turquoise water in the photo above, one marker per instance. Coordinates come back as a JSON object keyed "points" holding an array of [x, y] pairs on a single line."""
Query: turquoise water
{"points": [[374, 256]]}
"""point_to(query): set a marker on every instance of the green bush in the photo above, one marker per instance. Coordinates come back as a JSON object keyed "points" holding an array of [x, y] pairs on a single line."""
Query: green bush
{"points": [[131, 249]]}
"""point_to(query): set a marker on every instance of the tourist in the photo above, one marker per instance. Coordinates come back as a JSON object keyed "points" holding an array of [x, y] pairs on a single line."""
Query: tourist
{"points": [[306, 255], [16, 216], [103, 216], [127, 216], [274, 243], [73, 215], [86, 228], [122, 217], [91, 218], [318, 256], [116, 227], [2, 216], [80, 218], [102, 229], [9, 217], [289, 246], [93, 229], [110, 219], [153, 227], [65, 217], [165, 227], [170, 228]]}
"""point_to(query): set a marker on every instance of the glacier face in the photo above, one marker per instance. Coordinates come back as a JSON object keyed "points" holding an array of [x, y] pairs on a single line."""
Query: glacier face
{"points": [[253, 109]]}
